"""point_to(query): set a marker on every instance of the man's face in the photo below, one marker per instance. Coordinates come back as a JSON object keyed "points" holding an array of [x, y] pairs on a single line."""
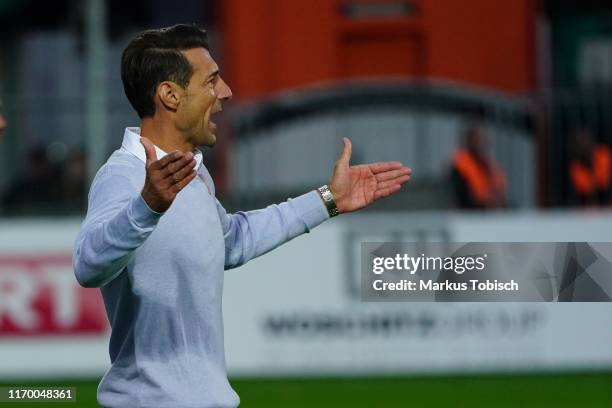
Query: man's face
{"points": [[201, 99]]}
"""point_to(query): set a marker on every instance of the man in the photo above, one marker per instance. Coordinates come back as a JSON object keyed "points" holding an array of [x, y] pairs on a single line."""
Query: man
{"points": [[3, 122], [156, 240], [478, 182], [590, 170]]}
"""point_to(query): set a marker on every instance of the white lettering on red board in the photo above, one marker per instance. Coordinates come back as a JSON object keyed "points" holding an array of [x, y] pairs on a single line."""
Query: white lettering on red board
{"points": [[39, 295]]}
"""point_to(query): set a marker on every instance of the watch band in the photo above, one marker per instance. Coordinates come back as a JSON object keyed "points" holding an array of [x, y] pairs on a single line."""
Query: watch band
{"points": [[328, 200]]}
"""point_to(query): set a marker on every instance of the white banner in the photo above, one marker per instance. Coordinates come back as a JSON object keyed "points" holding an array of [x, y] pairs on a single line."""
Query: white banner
{"points": [[297, 309]]}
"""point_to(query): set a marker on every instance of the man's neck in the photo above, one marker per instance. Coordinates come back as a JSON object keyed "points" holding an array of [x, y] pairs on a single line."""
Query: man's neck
{"points": [[164, 135]]}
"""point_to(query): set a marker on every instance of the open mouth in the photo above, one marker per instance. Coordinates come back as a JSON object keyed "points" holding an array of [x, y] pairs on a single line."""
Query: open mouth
{"points": [[212, 124]]}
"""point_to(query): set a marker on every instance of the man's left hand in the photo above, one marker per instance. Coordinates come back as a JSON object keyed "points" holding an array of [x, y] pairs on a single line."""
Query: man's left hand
{"points": [[356, 187]]}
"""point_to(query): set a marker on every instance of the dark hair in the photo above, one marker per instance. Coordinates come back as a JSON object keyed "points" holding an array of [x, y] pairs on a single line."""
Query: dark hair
{"points": [[154, 56]]}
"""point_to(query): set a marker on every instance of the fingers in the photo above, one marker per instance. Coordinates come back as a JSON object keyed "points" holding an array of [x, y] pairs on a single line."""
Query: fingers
{"points": [[166, 160], [384, 166], [389, 183], [166, 177], [385, 192], [190, 175], [393, 174], [182, 172], [345, 156], [178, 165], [169, 165], [149, 150]]}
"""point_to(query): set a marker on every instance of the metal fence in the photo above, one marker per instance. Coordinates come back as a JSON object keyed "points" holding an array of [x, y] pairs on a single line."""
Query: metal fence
{"points": [[567, 111], [290, 143]]}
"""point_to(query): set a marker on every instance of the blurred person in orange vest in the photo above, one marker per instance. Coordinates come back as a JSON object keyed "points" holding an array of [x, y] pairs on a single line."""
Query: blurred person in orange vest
{"points": [[3, 122], [477, 180], [590, 170]]}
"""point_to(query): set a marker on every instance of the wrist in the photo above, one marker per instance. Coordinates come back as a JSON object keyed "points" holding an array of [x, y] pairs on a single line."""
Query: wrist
{"points": [[153, 202], [328, 200], [141, 214]]}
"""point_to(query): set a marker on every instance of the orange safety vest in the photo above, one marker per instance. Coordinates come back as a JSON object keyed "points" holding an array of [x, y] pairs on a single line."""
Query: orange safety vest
{"points": [[585, 180], [483, 183]]}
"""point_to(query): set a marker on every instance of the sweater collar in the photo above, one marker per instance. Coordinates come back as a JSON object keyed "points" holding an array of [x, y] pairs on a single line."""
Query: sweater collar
{"points": [[131, 143]]}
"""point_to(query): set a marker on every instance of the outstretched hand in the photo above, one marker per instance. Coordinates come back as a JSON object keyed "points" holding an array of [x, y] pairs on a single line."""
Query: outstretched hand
{"points": [[166, 176], [356, 187]]}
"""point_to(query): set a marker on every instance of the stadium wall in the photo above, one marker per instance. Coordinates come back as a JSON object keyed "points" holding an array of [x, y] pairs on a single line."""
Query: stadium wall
{"points": [[274, 45]]}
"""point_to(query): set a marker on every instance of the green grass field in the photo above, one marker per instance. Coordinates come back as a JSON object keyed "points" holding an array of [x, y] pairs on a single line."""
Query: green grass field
{"points": [[523, 391]]}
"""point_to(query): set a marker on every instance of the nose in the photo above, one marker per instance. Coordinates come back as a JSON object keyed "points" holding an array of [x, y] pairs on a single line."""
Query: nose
{"points": [[223, 90]]}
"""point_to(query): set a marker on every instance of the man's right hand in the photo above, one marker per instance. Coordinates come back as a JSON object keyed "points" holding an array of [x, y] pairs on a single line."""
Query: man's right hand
{"points": [[166, 176]]}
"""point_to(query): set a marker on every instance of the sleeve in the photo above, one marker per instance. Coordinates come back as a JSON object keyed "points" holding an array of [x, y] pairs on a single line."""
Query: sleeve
{"points": [[253, 233], [118, 221]]}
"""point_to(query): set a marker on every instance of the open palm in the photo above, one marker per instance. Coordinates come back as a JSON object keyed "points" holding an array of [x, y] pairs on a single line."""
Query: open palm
{"points": [[356, 187]]}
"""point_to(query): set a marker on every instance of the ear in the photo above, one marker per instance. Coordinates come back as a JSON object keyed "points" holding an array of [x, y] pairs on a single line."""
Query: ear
{"points": [[169, 94]]}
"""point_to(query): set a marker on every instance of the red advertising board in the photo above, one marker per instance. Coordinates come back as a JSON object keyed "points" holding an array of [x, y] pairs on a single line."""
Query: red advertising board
{"points": [[39, 295]]}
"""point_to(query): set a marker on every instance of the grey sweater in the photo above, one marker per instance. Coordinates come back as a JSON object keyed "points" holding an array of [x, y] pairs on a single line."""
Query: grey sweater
{"points": [[161, 277]]}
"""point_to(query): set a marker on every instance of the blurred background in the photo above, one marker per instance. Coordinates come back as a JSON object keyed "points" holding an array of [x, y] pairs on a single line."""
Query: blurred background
{"points": [[502, 109]]}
